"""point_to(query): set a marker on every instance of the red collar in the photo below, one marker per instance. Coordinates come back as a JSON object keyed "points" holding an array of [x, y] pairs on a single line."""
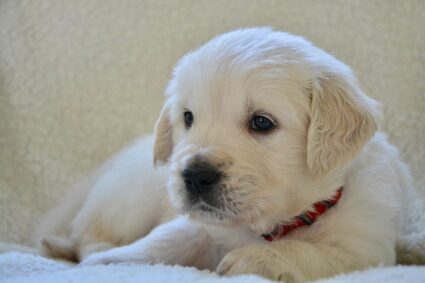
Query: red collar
{"points": [[306, 218]]}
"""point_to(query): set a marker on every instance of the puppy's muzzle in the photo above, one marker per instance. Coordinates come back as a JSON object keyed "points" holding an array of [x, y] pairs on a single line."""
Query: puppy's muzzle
{"points": [[200, 177]]}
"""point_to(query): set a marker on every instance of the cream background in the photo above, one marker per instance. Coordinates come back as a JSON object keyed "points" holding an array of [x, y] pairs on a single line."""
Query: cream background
{"points": [[81, 78]]}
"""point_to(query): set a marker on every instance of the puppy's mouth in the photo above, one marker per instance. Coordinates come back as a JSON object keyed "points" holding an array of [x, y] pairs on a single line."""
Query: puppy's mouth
{"points": [[209, 207], [204, 202], [206, 213], [209, 199], [203, 206]]}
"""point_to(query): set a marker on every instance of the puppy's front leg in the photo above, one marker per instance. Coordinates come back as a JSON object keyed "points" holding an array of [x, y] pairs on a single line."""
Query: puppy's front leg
{"points": [[176, 242], [292, 261]]}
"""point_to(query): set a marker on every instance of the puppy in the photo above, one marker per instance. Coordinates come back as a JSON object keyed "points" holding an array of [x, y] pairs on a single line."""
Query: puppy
{"points": [[273, 162]]}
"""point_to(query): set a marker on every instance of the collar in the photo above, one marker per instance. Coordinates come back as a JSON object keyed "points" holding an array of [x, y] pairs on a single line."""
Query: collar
{"points": [[305, 219]]}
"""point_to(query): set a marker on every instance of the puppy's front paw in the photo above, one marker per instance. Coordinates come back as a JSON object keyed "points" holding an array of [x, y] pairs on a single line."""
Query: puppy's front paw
{"points": [[117, 255], [260, 260], [106, 257]]}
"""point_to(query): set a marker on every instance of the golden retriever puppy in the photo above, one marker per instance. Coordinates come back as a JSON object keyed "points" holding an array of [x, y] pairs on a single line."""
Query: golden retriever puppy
{"points": [[272, 162]]}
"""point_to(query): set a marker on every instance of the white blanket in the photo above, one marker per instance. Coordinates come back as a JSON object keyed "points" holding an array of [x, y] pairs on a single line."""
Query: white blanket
{"points": [[26, 268]]}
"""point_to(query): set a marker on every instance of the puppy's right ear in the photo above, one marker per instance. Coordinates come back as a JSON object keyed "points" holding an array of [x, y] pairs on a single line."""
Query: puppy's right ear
{"points": [[163, 145]]}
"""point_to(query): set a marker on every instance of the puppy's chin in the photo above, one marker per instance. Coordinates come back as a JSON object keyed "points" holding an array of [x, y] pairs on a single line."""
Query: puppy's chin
{"points": [[211, 216], [203, 212]]}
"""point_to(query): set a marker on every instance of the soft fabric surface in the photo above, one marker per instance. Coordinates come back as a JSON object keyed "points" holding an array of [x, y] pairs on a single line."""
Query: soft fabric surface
{"points": [[26, 268], [79, 79]]}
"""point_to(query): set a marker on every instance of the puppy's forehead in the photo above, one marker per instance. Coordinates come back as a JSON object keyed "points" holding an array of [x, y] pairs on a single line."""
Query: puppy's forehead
{"points": [[217, 87], [232, 89]]}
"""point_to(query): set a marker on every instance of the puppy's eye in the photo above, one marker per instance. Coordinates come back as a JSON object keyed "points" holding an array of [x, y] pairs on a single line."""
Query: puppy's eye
{"points": [[188, 119], [261, 123]]}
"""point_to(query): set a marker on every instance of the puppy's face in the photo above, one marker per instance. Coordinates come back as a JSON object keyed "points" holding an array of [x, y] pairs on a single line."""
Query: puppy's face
{"points": [[248, 128]]}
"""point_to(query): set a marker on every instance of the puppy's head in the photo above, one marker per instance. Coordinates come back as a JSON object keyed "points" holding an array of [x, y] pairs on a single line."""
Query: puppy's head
{"points": [[256, 126]]}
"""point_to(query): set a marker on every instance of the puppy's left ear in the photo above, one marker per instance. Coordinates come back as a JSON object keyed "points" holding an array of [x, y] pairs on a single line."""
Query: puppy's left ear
{"points": [[163, 145], [342, 120]]}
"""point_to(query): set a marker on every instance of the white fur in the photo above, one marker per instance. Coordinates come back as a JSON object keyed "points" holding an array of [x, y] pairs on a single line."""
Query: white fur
{"points": [[325, 139]]}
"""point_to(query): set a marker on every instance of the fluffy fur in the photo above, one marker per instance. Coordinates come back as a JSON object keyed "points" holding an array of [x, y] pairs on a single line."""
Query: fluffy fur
{"points": [[325, 137]]}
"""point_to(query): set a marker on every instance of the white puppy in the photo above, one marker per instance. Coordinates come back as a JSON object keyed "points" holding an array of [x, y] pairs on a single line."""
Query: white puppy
{"points": [[274, 165]]}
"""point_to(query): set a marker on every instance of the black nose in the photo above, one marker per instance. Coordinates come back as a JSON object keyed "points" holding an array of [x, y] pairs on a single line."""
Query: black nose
{"points": [[200, 178]]}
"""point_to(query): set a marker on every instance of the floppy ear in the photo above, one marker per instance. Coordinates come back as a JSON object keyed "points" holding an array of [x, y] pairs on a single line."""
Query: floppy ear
{"points": [[163, 145], [342, 120]]}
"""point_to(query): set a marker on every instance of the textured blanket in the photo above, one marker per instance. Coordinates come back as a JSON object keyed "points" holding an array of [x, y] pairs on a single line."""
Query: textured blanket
{"points": [[28, 268]]}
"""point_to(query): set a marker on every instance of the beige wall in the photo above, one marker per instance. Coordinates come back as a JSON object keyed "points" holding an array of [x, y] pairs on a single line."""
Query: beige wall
{"points": [[78, 79]]}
